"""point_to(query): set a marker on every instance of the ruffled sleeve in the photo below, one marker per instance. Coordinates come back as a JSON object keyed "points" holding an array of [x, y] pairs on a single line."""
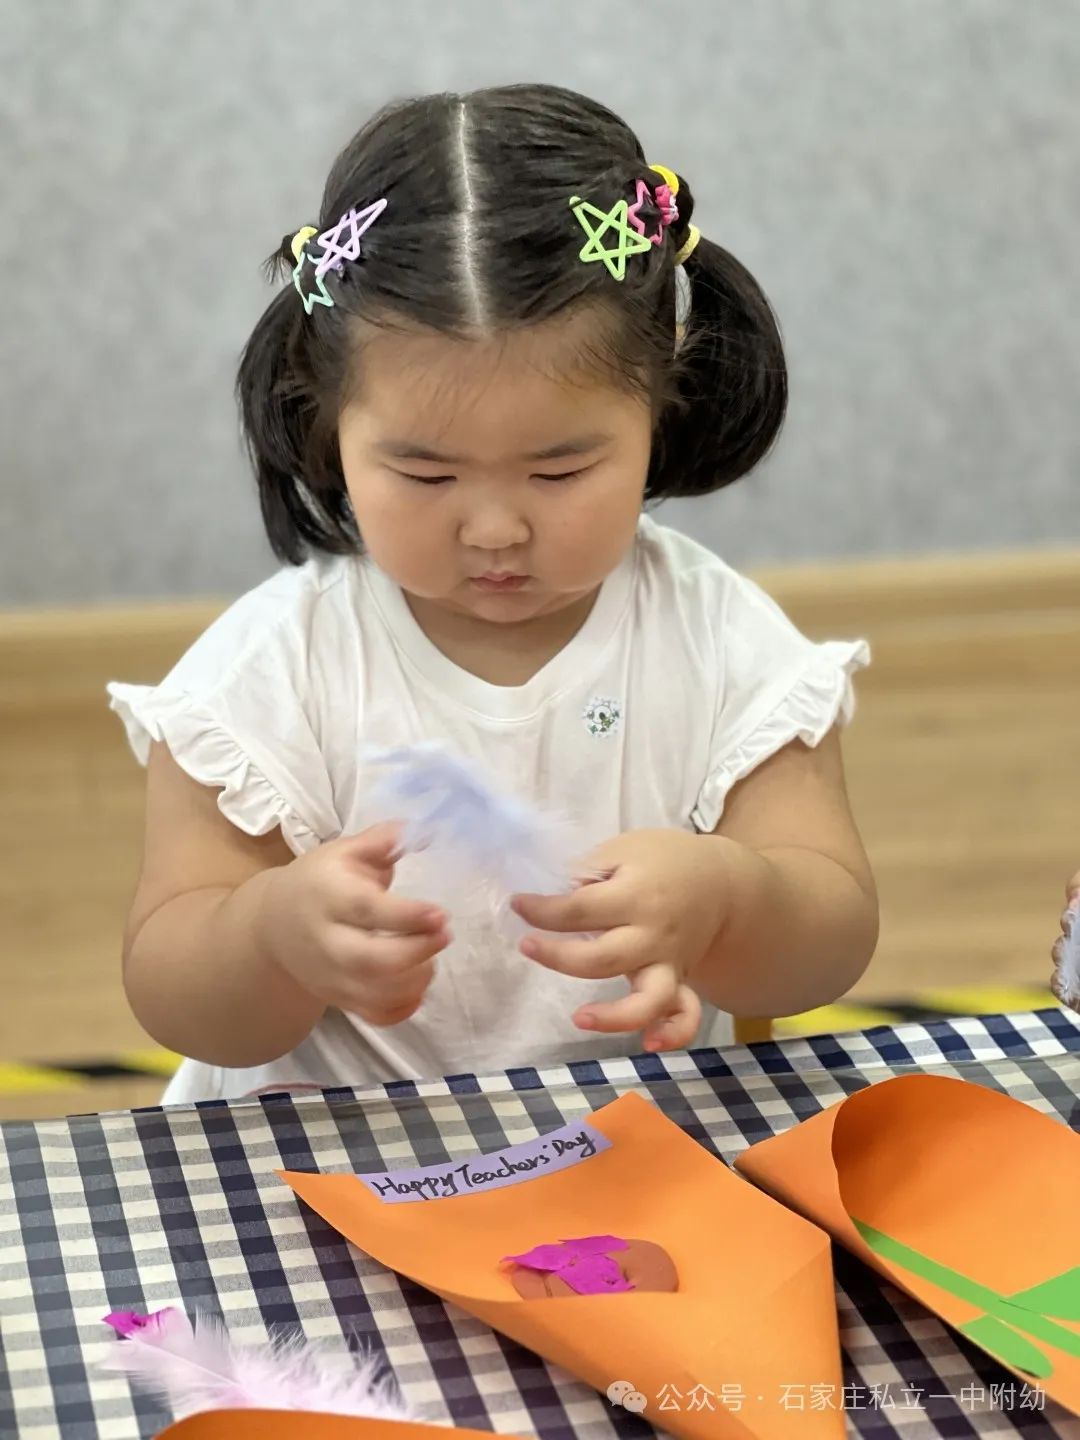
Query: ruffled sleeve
{"points": [[233, 719], [775, 687]]}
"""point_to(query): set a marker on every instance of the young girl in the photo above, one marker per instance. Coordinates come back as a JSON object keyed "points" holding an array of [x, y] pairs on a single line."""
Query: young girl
{"points": [[501, 338]]}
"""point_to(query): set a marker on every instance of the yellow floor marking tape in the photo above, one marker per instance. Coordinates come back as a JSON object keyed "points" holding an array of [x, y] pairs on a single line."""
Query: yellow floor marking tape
{"points": [[984, 999], [959, 1000], [35, 1080], [835, 1018]]}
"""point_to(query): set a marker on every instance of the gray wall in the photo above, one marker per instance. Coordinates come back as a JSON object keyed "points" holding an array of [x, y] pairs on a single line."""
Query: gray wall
{"points": [[901, 175]]}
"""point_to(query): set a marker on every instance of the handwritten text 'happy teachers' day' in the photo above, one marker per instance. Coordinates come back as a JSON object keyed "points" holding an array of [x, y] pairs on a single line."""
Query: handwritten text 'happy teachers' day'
{"points": [[557, 1150]]}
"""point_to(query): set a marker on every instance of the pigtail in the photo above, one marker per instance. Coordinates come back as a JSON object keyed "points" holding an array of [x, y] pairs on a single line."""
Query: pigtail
{"points": [[294, 454], [729, 380]]}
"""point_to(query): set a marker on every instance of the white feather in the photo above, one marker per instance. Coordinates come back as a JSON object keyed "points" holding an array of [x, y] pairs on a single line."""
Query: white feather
{"points": [[197, 1368], [471, 838]]}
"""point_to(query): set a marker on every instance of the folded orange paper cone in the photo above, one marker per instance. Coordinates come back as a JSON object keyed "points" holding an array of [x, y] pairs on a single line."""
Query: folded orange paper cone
{"points": [[752, 1323], [294, 1425], [959, 1195]]}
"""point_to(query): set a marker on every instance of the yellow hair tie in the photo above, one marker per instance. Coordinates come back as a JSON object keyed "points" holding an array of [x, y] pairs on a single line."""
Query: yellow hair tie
{"points": [[689, 245], [693, 234], [671, 180], [300, 239]]}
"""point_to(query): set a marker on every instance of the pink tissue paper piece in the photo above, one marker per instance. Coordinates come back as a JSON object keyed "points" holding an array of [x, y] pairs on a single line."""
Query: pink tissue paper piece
{"points": [[585, 1265], [127, 1322]]}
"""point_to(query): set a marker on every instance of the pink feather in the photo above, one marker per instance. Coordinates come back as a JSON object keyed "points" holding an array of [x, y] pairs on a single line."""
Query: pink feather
{"points": [[197, 1367]]}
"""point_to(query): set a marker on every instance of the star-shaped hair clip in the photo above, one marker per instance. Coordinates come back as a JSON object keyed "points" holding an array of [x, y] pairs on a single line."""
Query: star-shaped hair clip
{"points": [[338, 244], [354, 223], [627, 240], [320, 295], [662, 197]]}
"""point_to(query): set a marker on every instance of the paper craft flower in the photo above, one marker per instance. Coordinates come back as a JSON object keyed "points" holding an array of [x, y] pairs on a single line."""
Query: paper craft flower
{"points": [[963, 1197], [751, 1299]]}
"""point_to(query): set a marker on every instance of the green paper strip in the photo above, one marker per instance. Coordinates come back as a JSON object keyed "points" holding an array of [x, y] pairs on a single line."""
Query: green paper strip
{"points": [[1000, 1307], [1004, 1343], [1059, 1297]]}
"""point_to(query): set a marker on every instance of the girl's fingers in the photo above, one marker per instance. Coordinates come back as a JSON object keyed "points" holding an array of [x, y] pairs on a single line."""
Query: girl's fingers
{"points": [[375, 955], [378, 848], [654, 995], [615, 952], [398, 1003], [677, 1030], [370, 908], [599, 905]]}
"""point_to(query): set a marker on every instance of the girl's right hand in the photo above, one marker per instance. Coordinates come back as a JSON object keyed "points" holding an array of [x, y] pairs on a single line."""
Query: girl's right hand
{"points": [[330, 921]]}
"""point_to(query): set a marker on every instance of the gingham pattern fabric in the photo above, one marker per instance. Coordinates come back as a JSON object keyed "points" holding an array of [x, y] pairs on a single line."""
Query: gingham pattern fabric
{"points": [[138, 1210]]}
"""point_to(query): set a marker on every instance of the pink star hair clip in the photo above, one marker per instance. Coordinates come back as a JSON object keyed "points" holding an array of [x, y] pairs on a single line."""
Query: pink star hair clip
{"points": [[663, 197]]}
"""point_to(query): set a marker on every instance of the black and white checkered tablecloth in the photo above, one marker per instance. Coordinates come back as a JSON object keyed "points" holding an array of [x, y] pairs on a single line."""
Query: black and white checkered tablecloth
{"points": [[138, 1210]]}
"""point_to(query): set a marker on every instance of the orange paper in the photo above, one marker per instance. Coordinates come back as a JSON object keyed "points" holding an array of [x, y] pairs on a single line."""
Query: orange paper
{"points": [[754, 1319], [966, 1199], [291, 1425]]}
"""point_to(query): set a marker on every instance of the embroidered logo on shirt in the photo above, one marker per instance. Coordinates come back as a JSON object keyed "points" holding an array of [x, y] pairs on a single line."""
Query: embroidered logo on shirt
{"points": [[602, 715]]}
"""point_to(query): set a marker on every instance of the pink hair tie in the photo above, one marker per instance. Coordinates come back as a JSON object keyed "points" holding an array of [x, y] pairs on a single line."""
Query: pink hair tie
{"points": [[669, 211], [664, 199]]}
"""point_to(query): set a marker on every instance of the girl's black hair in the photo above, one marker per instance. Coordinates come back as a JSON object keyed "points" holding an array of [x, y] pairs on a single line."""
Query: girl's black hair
{"points": [[478, 235]]}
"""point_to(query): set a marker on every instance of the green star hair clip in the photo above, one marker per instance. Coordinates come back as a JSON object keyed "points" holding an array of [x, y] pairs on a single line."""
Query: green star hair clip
{"points": [[629, 241], [320, 295]]}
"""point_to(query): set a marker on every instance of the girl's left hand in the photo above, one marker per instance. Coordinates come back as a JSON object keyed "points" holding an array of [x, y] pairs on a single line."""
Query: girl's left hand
{"points": [[659, 908]]}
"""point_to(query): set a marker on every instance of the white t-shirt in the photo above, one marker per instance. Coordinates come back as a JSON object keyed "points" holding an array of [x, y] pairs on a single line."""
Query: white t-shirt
{"points": [[683, 679]]}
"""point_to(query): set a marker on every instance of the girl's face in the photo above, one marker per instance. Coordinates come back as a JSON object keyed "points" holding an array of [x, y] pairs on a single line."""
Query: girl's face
{"points": [[492, 477]]}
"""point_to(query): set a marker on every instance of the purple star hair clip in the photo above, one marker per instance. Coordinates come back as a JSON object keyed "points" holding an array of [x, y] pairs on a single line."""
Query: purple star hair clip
{"points": [[340, 243], [354, 223]]}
